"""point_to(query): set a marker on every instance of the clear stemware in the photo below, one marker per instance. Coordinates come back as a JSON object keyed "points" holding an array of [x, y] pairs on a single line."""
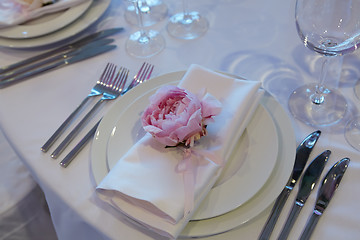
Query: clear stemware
{"points": [[187, 25], [330, 28], [144, 43], [352, 128], [153, 11]]}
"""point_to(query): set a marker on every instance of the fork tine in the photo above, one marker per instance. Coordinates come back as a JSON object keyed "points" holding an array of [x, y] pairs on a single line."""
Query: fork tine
{"points": [[112, 82], [150, 72], [146, 73], [126, 75], [140, 70], [140, 76], [145, 65], [120, 80], [109, 76], [104, 73]]}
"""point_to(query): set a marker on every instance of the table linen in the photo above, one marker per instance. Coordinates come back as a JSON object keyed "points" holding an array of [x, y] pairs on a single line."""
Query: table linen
{"points": [[23, 210], [254, 39]]}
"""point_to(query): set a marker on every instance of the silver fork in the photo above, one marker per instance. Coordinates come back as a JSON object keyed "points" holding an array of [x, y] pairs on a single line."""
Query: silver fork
{"points": [[97, 90], [115, 85], [142, 76]]}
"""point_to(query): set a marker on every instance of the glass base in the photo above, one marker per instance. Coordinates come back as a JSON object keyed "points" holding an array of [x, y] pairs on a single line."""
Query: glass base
{"points": [[331, 111], [352, 133], [152, 12], [145, 44], [189, 26], [357, 89]]}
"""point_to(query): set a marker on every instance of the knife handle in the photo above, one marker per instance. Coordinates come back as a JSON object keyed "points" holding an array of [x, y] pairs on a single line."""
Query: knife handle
{"points": [[294, 213], [310, 226], [275, 213]]}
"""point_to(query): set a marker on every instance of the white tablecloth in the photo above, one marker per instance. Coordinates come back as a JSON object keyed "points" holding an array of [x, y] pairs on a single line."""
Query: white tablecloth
{"points": [[252, 38]]}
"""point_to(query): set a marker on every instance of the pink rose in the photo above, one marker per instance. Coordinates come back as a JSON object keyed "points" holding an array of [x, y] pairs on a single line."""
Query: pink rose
{"points": [[177, 116]]}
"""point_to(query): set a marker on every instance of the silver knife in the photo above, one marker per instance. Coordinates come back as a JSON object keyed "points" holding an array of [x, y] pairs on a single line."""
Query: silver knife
{"points": [[308, 182], [85, 54], [302, 155], [329, 185], [72, 52], [61, 49]]}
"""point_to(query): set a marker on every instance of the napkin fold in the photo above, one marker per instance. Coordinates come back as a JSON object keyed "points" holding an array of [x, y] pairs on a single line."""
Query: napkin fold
{"points": [[144, 184], [13, 13]]}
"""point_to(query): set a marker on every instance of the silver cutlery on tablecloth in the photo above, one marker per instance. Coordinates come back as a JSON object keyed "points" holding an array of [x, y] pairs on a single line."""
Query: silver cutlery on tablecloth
{"points": [[99, 88], [117, 86], [39, 64], [307, 184], [329, 185], [143, 75], [302, 155], [82, 55], [61, 50]]}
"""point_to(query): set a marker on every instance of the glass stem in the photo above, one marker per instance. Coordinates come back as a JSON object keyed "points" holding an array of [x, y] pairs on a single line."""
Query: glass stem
{"points": [[319, 95], [185, 8], [144, 38]]}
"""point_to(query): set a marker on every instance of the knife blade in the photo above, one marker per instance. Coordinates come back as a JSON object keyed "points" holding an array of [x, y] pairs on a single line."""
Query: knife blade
{"points": [[328, 187], [62, 55], [308, 182], [302, 155], [85, 54], [64, 48]]}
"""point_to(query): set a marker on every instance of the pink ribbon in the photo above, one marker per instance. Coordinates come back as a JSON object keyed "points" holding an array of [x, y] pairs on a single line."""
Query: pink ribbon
{"points": [[187, 167]]}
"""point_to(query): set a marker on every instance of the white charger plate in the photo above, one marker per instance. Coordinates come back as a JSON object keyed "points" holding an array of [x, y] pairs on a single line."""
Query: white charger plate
{"points": [[95, 11], [250, 209], [46, 24], [246, 164]]}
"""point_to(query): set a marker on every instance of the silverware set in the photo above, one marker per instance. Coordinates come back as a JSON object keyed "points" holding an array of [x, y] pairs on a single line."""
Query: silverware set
{"points": [[82, 49], [110, 86], [308, 182]]}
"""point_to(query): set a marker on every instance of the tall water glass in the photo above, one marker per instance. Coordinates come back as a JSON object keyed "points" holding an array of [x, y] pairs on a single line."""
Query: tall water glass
{"points": [[330, 28]]}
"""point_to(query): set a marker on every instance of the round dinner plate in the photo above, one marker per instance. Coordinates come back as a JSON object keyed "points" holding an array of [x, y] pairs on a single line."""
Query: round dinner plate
{"points": [[46, 24], [249, 209], [94, 12], [246, 164]]}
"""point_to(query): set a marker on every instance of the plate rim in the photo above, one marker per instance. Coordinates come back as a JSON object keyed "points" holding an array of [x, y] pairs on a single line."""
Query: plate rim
{"points": [[216, 194], [96, 10], [67, 17]]}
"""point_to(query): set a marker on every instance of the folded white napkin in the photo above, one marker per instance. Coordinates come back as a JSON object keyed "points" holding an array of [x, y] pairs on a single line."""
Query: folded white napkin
{"points": [[12, 13], [144, 184]]}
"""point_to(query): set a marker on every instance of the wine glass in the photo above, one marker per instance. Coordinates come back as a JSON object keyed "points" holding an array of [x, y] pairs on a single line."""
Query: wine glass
{"points": [[144, 43], [187, 25], [352, 128], [330, 28], [153, 11]]}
